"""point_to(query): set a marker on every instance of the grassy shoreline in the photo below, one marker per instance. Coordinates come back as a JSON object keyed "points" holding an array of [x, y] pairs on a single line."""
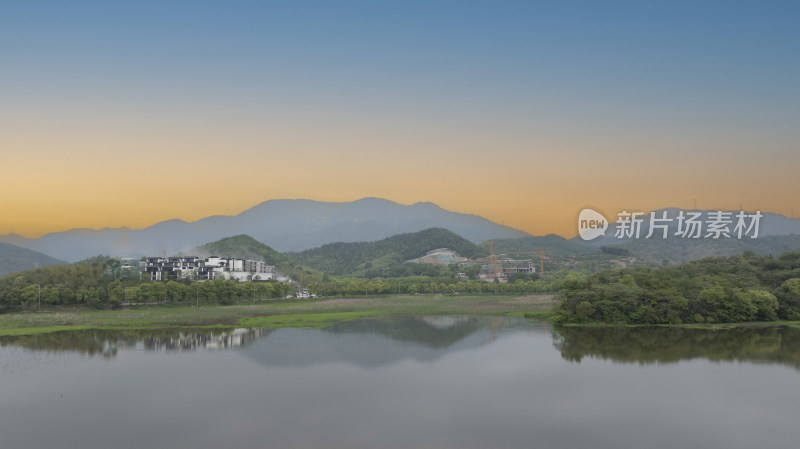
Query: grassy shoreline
{"points": [[299, 313], [712, 326], [272, 313]]}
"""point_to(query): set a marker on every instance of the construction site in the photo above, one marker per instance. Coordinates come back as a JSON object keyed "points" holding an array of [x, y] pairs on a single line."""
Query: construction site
{"points": [[494, 267], [500, 267]]}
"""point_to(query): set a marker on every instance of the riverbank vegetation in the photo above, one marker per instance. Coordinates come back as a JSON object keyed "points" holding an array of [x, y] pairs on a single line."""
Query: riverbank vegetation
{"points": [[269, 313], [738, 289], [99, 283], [713, 290]]}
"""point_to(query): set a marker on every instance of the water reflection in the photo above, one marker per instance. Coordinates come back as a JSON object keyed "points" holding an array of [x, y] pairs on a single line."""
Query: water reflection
{"points": [[379, 341], [107, 343], [402, 382], [368, 341], [779, 345], [382, 340]]}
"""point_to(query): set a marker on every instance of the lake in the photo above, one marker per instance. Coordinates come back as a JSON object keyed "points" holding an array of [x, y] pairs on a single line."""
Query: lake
{"points": [[403, 382]]}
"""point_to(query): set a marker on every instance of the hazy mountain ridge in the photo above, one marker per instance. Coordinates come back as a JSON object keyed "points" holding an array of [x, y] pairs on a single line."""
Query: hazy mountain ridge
{"points": [[15, 258], [286, 225], [298, 225], [551, 242]]}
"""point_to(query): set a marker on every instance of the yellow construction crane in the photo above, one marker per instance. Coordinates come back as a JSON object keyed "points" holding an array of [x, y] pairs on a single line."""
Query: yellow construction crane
{"points": [[542, 252], [492, 258]]}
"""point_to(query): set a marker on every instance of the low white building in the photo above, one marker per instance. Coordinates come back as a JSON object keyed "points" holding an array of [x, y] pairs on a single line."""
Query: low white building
{"points": [[213, 267]]}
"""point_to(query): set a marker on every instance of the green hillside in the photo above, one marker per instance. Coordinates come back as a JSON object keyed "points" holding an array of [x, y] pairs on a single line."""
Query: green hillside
{"points": [[77, 275], [15, 258], [240, 246], [387, 257], [551, 242]]}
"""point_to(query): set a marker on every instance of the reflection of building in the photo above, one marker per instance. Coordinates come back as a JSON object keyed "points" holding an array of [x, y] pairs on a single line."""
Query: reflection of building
{"points": [[214, 267], [190, 341], [441, 257]]}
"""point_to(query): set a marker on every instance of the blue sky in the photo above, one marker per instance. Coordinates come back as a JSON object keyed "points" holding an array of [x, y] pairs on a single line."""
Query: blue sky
{"points": [[560, 86]]}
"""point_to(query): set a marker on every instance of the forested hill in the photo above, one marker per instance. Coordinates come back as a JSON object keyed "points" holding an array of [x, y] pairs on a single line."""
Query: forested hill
{"points": [[14, 258], [728, 290], [555, 243], [241, 246], [385, 257]]}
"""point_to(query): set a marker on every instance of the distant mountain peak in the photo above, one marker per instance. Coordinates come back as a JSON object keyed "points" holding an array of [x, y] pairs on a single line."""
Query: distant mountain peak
{"points": [[284, 224], [374, 199], [426, 204]]}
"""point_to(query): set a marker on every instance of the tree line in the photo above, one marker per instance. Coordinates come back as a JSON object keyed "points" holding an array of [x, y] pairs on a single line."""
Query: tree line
{"points": [[96, 284], [446, 283], [712, 290]]}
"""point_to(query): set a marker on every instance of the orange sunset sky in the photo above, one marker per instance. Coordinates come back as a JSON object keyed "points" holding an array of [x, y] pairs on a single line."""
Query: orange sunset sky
{"points": [[521, 114]]}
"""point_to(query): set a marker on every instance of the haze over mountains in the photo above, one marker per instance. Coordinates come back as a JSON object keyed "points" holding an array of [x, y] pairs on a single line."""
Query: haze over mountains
{"points": [[285, 225], [14, 258], [298, 225]]}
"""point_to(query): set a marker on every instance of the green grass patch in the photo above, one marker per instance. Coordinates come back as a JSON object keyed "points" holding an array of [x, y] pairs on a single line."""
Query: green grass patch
{"points": [[315, 320], [538, 314], [17, 331], [711, 326], [533, 314], [272, 313]]}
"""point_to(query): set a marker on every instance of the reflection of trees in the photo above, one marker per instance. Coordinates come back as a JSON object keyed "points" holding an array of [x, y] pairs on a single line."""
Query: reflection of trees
{"points": [[669, 345], [107, 342]]}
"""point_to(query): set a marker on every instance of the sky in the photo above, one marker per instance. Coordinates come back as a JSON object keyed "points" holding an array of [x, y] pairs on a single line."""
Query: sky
{"points": [[524, 112]]}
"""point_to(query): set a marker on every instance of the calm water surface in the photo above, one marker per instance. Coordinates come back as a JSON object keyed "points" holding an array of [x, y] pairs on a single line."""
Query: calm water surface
{"points": [[404, 382]]}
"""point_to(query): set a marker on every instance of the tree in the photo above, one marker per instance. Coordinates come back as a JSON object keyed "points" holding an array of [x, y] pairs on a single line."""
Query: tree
{"points": [[29, 296], [19, 282], [158, 292], [66, 295], [790, 299], [766, 305], [584, 310], [174, 291], [628, 280]]}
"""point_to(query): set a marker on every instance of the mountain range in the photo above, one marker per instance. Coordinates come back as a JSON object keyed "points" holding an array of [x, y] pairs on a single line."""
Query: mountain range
{"points": [[14, 258], [285, 225], [297, 226]]}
